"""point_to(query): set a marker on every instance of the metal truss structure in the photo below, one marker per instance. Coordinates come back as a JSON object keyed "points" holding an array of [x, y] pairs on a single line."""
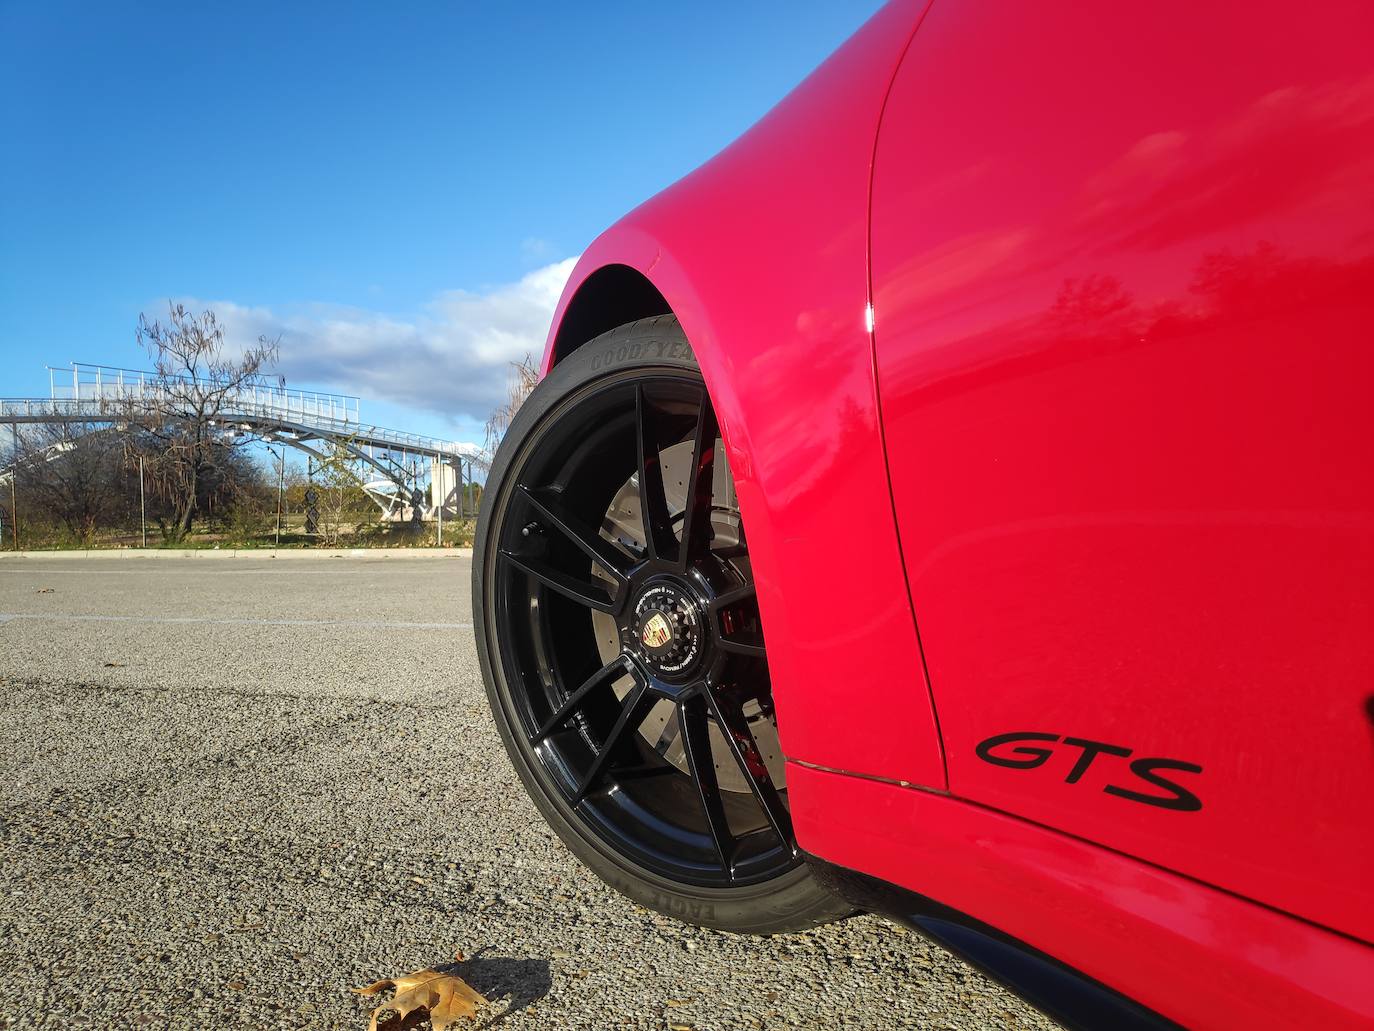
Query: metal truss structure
{"points": [[401, 464]]}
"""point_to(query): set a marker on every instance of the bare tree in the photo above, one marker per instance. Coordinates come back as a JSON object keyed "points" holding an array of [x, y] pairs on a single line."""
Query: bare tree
{"points": [[73, 475], [524, 376], [180, 424]]}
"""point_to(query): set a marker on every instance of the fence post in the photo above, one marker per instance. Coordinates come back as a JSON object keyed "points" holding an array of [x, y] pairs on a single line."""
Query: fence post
{"points": [[142, 503], [281, 486]]}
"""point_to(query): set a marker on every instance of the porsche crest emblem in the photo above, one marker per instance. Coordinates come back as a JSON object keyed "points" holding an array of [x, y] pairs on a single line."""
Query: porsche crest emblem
{"points": [[657, 631]]}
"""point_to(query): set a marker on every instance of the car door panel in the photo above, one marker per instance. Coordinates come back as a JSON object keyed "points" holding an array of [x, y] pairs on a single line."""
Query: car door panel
{"points": [[1123, 281]]}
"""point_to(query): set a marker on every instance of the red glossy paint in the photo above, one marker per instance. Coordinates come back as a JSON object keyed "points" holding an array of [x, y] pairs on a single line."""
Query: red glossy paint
{"points": [[1125, 336], [1122, 264], [1198, 956]]}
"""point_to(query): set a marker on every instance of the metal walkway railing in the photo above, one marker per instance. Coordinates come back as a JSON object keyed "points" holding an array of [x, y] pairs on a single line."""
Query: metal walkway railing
{"points": [[83, 382], [100, 393]]}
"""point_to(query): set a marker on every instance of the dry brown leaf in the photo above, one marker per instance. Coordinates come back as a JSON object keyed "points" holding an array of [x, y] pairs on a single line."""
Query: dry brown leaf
{"points": [[443, 998], [113, 665]]}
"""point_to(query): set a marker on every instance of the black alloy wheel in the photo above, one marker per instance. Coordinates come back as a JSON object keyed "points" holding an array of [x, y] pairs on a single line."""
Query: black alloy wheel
{"points": [[621, 641]]}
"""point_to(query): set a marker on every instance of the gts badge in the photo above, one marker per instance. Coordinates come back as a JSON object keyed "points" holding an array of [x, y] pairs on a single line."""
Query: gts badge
{"points": [[1015, 752]]}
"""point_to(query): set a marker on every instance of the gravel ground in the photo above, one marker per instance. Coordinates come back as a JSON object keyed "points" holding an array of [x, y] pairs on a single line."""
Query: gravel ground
{"points": [[230, 790]]}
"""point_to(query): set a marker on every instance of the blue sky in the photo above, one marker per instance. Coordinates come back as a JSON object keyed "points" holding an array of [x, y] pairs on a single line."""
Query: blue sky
{"points": [[393, 188]]}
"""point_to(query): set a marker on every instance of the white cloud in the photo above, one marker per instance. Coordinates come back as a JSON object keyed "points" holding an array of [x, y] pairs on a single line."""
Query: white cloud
{"points": [[452, 358]]}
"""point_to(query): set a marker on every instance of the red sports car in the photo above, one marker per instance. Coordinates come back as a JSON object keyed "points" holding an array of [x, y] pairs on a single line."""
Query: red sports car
{"points": [[956, 499]]}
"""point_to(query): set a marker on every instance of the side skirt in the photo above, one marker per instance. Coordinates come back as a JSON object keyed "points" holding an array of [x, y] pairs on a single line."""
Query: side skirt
{"points": [[1073, 999]]}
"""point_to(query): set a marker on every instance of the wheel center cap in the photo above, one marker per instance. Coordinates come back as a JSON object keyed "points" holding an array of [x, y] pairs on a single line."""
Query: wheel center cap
{"points": [[657, 630], [667, 629]]}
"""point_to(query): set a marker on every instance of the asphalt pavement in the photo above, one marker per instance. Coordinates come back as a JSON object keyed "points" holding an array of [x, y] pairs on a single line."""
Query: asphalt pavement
{"points": [[232, 790]]}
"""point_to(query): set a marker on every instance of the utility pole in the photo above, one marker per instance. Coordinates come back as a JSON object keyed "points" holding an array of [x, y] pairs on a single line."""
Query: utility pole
{"points": [[281, 486], [142, 502]]}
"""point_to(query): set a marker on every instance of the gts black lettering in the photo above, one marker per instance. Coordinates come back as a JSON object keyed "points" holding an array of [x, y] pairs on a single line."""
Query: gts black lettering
{"points": [[1014, 752]]}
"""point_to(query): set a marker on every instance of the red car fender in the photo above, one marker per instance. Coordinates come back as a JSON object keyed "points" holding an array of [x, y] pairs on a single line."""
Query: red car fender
{"points": [[788, 363]]}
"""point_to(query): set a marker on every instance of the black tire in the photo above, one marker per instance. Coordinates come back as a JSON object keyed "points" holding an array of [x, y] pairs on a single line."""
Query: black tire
{"points": [[764, 903]]}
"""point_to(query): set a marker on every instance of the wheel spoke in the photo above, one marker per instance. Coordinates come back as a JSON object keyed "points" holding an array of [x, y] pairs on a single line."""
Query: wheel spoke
{"points": [[632, 713], [696, 524], [744, 592], [735, 729], [607, 674], [592, 595], [653, 499], [696, 742], [644, 771], [742, 645], [549, 504]]}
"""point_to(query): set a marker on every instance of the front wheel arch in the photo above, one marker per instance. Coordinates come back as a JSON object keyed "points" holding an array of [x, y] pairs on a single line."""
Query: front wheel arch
{"points": [[612, 296]]}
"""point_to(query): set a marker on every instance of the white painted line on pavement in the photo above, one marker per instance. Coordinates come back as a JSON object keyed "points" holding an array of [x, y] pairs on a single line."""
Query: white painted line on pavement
{"points": [[361, 624]]}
